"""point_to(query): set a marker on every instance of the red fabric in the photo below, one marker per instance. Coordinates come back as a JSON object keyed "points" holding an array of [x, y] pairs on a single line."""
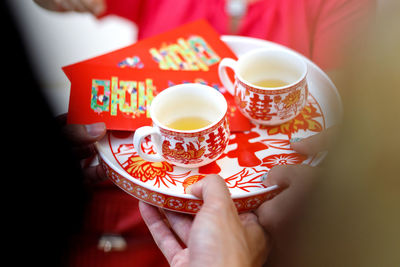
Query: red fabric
{"points": [[319, 29], [112, 211]]}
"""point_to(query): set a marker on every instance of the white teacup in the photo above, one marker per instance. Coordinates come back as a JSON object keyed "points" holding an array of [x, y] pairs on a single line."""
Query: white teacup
{"points": [[270, 85], [190, 126]]}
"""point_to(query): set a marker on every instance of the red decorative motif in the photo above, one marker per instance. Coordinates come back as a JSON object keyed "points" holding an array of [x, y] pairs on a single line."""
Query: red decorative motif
{"points": [[217, 143], [291, 103], [145, 170], [211, 168], [180, 148], [159, 172], [246, 179], [283, 159], [239, 99], [184, 205], [271, 106], [258, 108], [191, 154], [248, 156], [245, 152]]}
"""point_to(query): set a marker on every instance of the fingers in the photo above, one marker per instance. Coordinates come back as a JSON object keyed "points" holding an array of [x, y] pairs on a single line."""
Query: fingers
{"points": [[80, 134], [162, 235], [316, 143], [213, 234], [96, 7], [180, 224], [284, 175], [277, 213], [82, 139], [279, 216], [94, 174], [217, 199], [49, 4], [64, 5], [219, 231], [258, 240], [214, 192], [62, 119]]}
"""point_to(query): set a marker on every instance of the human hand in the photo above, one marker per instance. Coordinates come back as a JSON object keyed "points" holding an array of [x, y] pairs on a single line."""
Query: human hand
{"points": [[279, 215], [216, 236], [96, 7], [82, 139]]}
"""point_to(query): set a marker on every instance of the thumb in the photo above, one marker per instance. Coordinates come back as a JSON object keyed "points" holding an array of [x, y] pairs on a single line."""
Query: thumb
{"points": [[213, 190]]}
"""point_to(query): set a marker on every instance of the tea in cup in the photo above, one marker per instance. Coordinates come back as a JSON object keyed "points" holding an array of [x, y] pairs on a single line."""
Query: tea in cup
{"points": [[270, 86], [190, 126]]}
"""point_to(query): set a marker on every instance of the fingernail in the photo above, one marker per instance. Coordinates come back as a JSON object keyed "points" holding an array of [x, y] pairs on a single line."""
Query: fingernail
{"points": [[295, 139], [264, 176], [95, 129]]}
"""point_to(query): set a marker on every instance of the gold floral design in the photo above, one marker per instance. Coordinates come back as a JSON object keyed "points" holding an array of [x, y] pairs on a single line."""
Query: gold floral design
{"points": [[292, 98], [304, 121], [144, 170], [189, 155], [277, 99]]}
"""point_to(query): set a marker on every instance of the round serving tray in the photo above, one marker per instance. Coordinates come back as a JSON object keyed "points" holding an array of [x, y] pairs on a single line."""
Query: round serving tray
{"points": [[247, 159]]}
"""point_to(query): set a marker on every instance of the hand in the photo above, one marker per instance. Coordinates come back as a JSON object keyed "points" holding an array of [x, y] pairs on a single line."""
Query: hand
{"points": [[216, 236], [82, 138], [96, 7], [278, 216]]}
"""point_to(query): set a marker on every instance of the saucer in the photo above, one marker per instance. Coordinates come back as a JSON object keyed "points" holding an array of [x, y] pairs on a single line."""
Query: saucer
{"points": [[244, 164]]}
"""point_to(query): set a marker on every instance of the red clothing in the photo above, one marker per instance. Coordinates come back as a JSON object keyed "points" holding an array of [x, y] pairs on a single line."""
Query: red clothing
{"points": [[319, 29], [112, 211]]}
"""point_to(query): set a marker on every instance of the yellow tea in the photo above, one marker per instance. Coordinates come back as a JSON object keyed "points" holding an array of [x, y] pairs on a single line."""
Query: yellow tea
{"points": [[270, 83], [188, 123]]}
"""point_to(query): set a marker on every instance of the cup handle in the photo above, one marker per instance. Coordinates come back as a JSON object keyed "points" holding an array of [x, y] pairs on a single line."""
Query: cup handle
{"points": [[223, 75], [140, 135]]}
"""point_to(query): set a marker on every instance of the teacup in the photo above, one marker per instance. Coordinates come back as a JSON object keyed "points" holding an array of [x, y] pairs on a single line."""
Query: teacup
{"points": [[190, 127], [270, 86]]}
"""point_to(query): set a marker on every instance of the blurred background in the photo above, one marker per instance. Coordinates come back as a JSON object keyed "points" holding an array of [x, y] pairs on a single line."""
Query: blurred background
{"points": [[58, 39]]}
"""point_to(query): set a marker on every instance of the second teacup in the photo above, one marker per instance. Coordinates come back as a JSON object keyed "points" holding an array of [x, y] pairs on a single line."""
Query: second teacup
{"points": [[270, 85]]}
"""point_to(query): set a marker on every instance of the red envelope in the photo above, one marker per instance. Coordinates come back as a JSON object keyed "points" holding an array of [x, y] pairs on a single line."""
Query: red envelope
{"points": [[117, 88], [121, 97], [195, 46]]}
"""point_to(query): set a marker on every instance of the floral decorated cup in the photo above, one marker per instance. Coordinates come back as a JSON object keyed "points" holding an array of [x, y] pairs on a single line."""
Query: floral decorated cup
{"points": [[190, 126], [270, 86]]}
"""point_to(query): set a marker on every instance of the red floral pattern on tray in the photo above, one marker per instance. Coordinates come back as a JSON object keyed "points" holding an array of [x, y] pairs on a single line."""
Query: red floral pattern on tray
{"points": [[180, 204], [249, 156]]}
